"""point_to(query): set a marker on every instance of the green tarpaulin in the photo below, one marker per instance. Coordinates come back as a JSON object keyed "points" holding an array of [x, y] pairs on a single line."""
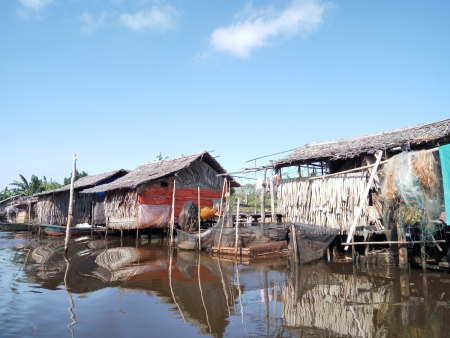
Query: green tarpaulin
{"points": [[444, 155]]}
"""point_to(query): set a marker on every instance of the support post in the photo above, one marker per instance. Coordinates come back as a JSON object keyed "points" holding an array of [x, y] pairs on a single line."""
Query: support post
{"points": [[172, 217], [272, 196], [294, 242], [71, 202], [402, 249], [423, 255], [237, 227], [263, 197]]}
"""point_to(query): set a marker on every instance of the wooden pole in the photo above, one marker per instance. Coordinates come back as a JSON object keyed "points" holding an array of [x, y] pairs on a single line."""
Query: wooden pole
{"points": [[221, 199], [393, 242], [423, 255], [237, 228], [294, 242], [71, 202], [272, 197], [172, 217], [402, 249], [227, 208], [263, 196], [363, 198], [199, 221]]}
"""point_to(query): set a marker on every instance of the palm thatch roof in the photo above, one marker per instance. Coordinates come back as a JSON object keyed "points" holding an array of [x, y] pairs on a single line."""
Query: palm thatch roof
{"points": [[158, 169], [420, 136], [87, 182]]}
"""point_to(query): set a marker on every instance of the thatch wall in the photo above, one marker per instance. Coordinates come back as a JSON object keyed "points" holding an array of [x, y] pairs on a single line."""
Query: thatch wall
{"points": [[328, 202], [53, 209], [121, 209]]}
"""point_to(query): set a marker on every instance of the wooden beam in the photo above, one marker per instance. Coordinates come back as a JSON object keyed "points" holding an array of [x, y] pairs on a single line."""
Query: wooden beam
{"points": [[393, 242], [363, 197]]}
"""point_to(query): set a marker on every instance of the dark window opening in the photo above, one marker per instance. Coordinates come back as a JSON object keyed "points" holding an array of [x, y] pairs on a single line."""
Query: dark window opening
{"points": [[164, 184]]}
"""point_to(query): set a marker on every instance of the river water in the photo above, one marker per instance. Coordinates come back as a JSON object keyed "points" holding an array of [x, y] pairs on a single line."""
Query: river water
{"points": [[129, 288]]}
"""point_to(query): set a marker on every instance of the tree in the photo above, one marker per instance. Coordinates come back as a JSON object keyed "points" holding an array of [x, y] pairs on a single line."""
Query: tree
{"points": [[77, 176], [5, 193]]}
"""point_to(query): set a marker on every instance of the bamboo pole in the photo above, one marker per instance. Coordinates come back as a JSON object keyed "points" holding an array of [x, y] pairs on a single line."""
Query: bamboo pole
{"points": [[263, 196], [237, 228], [227, 208], [221, 199], [394, 242], [272, 197], [71, 202], [199, 221], [363, 198], [172, 216], [294, 242]]}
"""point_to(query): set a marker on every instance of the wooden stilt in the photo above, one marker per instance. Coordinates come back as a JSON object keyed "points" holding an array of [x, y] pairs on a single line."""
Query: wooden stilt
{"points": [[294, 243], [172, 217], [237, 228], [402, 249], [263, 197], [71, 202], [272, 197]]}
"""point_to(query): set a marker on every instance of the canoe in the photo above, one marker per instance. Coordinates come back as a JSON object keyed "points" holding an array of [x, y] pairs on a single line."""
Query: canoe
{"points": [[5, 226], [59, 230]]}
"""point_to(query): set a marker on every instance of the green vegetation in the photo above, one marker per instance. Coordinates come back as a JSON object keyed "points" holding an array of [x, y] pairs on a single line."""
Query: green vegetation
{"points": [[249, 198], [77, 176], [34, 185]]}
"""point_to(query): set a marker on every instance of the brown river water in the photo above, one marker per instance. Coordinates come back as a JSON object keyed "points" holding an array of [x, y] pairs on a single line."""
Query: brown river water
{"points": [[129, 288]]}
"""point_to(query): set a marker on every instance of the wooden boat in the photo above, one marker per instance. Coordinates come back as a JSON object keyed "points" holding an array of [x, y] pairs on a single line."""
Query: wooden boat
{"points": [[59, 230], [6, 226]]}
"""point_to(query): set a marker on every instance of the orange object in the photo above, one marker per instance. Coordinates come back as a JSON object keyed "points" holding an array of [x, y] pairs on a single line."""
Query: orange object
{"points": [[207, 212]]}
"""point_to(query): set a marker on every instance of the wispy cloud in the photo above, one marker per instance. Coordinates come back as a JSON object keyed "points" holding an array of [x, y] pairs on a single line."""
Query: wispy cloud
{"points": [[254, 29], [32, 8], [154, 18], [92, 22]]}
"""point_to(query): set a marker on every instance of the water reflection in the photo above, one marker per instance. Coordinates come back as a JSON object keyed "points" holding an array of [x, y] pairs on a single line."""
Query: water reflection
{"points": [[217, 296]]}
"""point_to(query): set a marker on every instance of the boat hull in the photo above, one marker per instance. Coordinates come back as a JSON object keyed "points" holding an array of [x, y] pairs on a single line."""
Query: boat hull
{"points": [[58, 230], [4, 226]]}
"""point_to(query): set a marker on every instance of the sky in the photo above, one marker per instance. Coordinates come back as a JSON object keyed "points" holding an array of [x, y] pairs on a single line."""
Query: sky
{"points": [[120, 81]]}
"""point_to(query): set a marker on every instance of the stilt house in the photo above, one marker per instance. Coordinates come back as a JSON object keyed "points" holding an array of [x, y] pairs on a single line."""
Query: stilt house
{"points": [[331, 176], [143, 198], [51, 207], [10, 211]]}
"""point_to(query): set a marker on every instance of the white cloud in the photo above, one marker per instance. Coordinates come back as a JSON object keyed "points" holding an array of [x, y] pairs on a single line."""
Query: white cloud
{"points": [[32, 8], [256, 28], [92, 22], [155, 18]]}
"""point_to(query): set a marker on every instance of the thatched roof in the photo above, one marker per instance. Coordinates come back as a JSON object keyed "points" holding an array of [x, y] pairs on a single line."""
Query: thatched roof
{"points": [[87, 182], [158, 169], [421, 135], [12, 199]]}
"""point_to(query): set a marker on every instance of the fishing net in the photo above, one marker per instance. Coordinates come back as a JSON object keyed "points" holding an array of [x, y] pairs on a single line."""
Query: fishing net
{"points": [[313, 240], [412, 193], [250, 234], [189, 240]]}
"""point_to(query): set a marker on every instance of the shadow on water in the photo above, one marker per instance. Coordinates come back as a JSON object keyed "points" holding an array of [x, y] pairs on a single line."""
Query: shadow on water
{"points": [[194, 294]]}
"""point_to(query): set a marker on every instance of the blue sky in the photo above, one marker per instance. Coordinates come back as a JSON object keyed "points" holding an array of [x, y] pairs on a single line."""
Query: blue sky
{"points": [[120, 81]]}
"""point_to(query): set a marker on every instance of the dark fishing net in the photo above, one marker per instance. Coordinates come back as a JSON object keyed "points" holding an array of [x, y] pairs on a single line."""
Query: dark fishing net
{"points": [[312, 241]]}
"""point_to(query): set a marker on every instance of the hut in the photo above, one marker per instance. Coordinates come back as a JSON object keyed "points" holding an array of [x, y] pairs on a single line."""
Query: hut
{"points": [[332, 176], [143, 198], [51, 207], [9, 209]]}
